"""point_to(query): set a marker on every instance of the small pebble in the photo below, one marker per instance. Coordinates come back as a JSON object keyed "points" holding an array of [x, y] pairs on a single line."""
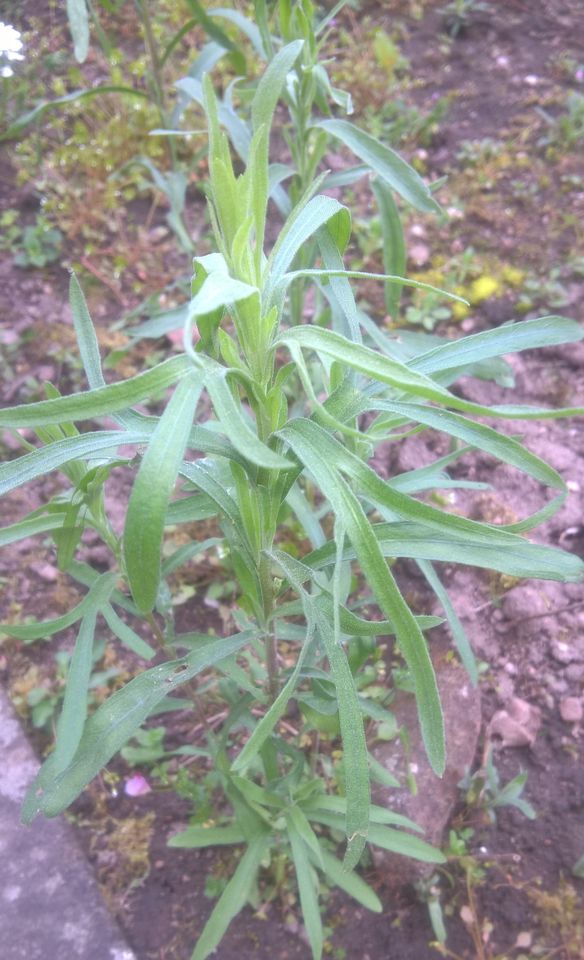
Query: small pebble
{"points": [[46, 571], [563, 652], [571, 710]]}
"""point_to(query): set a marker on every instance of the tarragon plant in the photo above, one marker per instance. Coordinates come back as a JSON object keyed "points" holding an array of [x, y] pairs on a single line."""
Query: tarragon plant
{"points": [[298, 409]]}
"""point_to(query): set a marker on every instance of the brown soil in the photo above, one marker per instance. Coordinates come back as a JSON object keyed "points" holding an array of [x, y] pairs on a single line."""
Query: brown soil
{"points": [[531, 635]]}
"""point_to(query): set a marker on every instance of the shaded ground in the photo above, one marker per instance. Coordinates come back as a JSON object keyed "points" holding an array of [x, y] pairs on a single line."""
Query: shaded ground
{"points": [[519, 202]]}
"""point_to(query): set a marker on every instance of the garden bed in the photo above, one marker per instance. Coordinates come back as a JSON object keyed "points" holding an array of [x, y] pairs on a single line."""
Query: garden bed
{"points": [[515, 194]]}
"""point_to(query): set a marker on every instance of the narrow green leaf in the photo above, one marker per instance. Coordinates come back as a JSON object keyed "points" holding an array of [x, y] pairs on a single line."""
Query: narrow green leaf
{"points": [[198, 837], [311, 444], [85, 333], [97, 403], [302, 826], [351, 883], [350, 716], [459, 636], [233, 898], [211, 28], [95, 598], [14, 473], [271, 82], [337, 807], [247, 27], [187, 552], [265, 726], [30, 527], [126, 635], [147, 508], [115, 721], [78, 16], [236, 427], [507, 553], [394, 247], [510, 338], [74, 711], [478, 435], [404, 844], [190, 510], [15, 128], [308, 887], [385, 162], [302, 225]]}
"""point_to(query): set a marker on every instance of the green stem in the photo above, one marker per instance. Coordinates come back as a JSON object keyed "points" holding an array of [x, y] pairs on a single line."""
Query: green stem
{"points": [[267, 588], [160, 100]]}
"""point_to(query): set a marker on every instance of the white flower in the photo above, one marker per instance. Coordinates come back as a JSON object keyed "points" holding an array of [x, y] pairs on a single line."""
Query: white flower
{"points": [[10, 42], [10, 47]]}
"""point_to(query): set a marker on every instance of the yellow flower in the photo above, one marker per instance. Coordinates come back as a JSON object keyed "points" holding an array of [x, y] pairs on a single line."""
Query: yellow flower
{"points": [[483, 288], [513, 276], [460, 310]]}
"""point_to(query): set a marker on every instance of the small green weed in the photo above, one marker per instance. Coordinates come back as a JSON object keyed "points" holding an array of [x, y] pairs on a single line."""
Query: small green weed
{"points": [[35, 245]]}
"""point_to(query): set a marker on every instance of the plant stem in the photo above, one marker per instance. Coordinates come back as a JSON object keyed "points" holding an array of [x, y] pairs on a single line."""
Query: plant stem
{"points": [[269, 636], [159, 97]]}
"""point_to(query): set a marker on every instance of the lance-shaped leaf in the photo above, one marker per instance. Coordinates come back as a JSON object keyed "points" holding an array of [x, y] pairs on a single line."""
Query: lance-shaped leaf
{"points": [[308, 888], [351, 883], [311, 445], [235, 425], [270, 86], [478, 435], [14, 473], [509, 338], [233, 898], [350, 716], [125, 634], [404, 377], [394, 247], [78, 16], [510, 554], [385, 162], [303, 224], [199, 837], [115, 721], [85, 333], [15, 128], [98, 595], [99, 402], [146, 516], [367, 361], [31, 526], [74, 712]]}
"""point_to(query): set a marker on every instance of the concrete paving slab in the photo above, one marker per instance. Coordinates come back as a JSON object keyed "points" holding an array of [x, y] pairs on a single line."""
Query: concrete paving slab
{"points": [[50, 904]]}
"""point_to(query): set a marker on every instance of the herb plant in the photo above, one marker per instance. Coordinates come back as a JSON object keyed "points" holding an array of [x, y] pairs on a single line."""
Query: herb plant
{"points": [[299, 404]]}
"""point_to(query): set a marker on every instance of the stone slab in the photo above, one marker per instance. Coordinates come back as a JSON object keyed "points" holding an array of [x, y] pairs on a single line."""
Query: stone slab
{"points": [[50, 904]]}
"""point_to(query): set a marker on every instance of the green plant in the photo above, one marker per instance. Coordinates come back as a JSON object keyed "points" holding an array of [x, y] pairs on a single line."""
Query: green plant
{"points": [[565, 130], [483, 789], [35, 245], [46, 700], [458, 15], [298, 409]]}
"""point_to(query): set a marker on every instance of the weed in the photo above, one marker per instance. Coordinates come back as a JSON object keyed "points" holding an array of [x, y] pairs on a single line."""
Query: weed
{"points": [[566, 129]]}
